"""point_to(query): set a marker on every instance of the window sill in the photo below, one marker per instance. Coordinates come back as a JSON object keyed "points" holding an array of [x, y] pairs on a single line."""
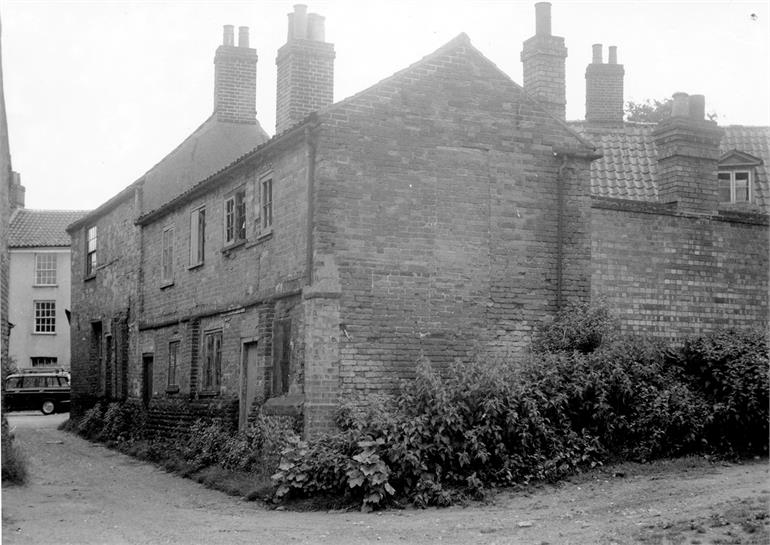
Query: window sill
{"points": [[196, 266], [172, 390], [233, 246], [208, 393], [166, 284], [45, 285], [44, 332], [89, 277], [264, 237]]}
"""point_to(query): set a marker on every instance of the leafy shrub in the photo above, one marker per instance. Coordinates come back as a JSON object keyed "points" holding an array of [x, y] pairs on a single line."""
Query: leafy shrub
{"points": [[124, 421], [578, 327], [258, 448], [14, 463], [205, 443], [730, 371], [92, 422]]}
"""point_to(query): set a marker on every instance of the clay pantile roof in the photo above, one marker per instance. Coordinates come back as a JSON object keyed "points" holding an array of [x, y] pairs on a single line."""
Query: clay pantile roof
{"points": [[31, 228], [628, 168]]}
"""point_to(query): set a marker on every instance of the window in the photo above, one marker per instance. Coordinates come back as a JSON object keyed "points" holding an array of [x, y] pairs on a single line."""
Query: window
{"points": [[167, 256], [735, 186], [91, 251], [267, 204], [281, 356], [45, 269], [45, 316], [42, 361], [197, 236], [235, 217], [173, 354], [212, 361]]}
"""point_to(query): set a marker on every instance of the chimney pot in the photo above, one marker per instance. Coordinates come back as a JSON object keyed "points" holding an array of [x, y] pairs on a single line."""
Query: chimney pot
{"points": [[316, 27], [613, 54], [597, 54], [543, 18], [228, 37], [298, 23], [243, 36], [681, 105], [697, 107]]}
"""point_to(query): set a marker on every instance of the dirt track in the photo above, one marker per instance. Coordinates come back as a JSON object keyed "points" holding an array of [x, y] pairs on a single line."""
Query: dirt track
{"points": [[83, 493]]}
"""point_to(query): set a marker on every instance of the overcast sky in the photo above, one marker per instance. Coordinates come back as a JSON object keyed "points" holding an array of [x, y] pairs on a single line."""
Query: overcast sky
{"points": [[97, 92]]}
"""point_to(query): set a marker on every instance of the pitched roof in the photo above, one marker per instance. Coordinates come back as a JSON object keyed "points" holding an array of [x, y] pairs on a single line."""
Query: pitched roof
{"points": [[628, 167], [30, 228], [386, 89], [211, 147]]}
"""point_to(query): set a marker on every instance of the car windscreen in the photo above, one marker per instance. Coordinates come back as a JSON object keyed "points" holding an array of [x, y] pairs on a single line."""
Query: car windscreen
{"points": [[13, 382]]}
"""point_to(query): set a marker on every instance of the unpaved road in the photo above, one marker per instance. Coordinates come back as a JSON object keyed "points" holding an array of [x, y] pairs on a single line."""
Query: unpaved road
{"points": [[82, 493]]}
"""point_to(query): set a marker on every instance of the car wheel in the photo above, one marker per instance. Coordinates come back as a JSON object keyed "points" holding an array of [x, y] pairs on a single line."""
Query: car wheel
{"points": [[48, 407]]}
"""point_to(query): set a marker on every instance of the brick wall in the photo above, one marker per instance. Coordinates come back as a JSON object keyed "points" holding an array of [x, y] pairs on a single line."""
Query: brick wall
{"points": [[305, 81], [240, 290], [672, 275], [604, 93], [437, 215], [109, 298]]}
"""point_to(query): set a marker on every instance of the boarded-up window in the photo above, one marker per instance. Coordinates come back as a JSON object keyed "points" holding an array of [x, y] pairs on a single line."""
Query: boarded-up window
{"points": [[212, 361], [281, 356]]}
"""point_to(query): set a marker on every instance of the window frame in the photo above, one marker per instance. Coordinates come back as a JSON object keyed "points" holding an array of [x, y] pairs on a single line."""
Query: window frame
{"points": [[211, 373], [43, 361], [266, 204], [235, 217], [167, 256], [39, 269], [172, 382], [732, 172], [44, 317], [197, 236], [92, 246]]}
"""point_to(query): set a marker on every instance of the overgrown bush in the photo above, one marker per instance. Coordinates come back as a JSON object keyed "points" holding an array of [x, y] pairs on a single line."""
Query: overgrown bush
{"points": [[583, 397], [123, 421], [14, 466], [91, 423], [579, 327], [258, 448], [729, 369]]}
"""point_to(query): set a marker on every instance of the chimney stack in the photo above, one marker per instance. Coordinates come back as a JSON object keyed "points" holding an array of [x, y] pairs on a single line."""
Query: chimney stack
{"points": [[688, 156], [235, 78], [305, 69], [604, 89], [543, 57]]}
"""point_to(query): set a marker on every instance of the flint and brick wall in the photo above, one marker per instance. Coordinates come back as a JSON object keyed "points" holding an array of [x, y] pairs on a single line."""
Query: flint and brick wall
{"points": [[672, 275]]}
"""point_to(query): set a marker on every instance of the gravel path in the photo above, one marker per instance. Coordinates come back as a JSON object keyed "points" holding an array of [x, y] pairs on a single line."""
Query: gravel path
{"points": [[82, 493]]}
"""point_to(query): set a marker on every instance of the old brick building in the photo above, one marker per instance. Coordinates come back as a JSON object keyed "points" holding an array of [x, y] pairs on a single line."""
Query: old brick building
{"points": [[442, 213]]}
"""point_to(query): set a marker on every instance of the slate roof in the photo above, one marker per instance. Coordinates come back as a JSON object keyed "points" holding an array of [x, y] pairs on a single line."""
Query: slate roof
{"points": [[628, 168], [207, 150], [32, 228]]}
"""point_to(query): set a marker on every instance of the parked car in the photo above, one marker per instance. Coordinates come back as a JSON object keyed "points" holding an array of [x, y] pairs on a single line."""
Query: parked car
{"points": [[45, 389]]}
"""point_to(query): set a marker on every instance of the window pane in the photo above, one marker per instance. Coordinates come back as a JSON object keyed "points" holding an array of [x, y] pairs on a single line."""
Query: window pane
{"points": [[724, 187], [167, 255], [741, 186], [45, 269], [229, 220], [91, 241], [45, 316], [173, 351], [201, 233]]}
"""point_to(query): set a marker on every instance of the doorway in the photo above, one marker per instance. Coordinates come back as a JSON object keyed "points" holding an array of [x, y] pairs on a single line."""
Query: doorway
{"points": [[249, 380], [147, 360]]}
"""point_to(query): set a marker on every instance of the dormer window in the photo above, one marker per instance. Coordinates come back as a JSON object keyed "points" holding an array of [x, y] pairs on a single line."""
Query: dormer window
{"points": [[735, 186], [736, 177]]}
